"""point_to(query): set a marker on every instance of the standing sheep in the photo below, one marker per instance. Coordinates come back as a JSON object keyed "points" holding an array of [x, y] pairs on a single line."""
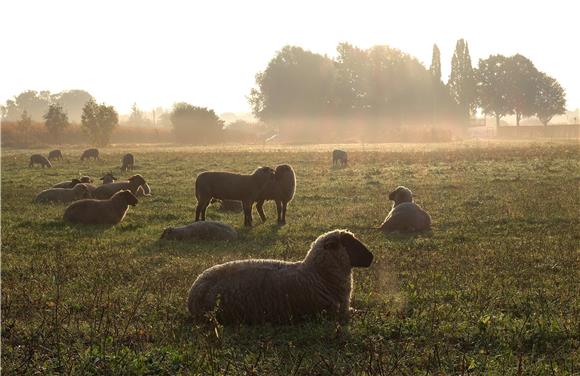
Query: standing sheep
{"points": [[100, 212], [67, 184], [339, 157], [405, 216], [39, 159], [128, 162], [78, 192], [207, 230], [230, 186], [107, 190], [90, 153], [55, 154], [257, 291], [281, 190]]}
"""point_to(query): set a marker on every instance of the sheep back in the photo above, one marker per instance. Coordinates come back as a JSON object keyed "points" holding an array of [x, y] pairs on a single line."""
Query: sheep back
{"points": [[406, 217], [207, 230], [39, 159]]}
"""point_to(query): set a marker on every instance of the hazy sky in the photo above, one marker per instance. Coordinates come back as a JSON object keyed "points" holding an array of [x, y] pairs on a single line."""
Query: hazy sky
{"points": [[207, 53]]}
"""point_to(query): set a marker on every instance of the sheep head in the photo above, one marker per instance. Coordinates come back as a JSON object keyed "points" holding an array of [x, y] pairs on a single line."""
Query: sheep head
{"points": [[340, 247], [128, 197], [401, 194], [138, 179]]}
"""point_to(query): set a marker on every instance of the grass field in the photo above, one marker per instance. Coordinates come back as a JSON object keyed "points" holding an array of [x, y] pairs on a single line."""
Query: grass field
{"points": [[493, 289]]}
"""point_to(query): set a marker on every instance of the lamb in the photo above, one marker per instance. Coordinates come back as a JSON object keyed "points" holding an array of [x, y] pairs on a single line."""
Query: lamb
{"points": [[55, 154], [90, 153], [78, 192], [405, 216], [67, 184], [39, 159], [339, 156], [101, 212], [128, 162], [281, 190], [208, 230], [280, 292], [108, 190], [231, 186]]}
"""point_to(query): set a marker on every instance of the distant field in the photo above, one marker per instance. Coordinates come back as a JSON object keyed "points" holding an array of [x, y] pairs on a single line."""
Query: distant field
{"points": [[493, 289]]}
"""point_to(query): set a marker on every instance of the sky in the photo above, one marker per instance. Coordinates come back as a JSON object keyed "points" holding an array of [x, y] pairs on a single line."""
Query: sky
{"points": [[207, 53]]}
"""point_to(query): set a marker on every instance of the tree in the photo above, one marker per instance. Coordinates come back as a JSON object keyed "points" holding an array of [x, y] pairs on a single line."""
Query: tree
{"points": [[522, 78], [296, 84], [25, 123], [33, 102], [72, 102], [56, 120], [196, 124], [550, 98], [493, 87], [99, 121], [137, 117], [461, 82], [435, 68]]}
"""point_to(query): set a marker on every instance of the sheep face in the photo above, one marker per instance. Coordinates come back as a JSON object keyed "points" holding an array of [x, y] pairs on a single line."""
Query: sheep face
{"points": [[401, 194], [348, 249], [137, 178]]}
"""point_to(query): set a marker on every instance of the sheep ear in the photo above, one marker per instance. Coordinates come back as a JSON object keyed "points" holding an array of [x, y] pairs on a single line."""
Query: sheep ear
{"points": [[358, 253]]}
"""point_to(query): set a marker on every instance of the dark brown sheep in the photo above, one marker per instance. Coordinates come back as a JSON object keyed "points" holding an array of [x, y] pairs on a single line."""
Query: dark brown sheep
{"points": [[231, 186], [281, 190], [54, 154], [128, 162], [107, 190], [67, 184], [39, 159], [339, 157], [90, 153]]}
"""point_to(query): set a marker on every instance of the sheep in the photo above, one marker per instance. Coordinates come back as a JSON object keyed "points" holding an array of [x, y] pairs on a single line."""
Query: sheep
{"points": [[107, 190], [128, 162], [90, 153], [143, 190], [231, 186], [280, 292], [55, 154], [281, 190], [339, 156], [78, 192], [39, 159], [405, 215], [108, 178], [67, 184], [101, 212], [86, 179], [207, 230]]}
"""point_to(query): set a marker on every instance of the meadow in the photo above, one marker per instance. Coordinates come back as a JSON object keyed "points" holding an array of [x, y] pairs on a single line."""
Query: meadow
{"points": [[494, 288]]}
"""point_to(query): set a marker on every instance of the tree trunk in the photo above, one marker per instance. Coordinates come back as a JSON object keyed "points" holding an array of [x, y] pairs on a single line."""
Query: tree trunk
{"points": [[497, 120], [518, 117]]}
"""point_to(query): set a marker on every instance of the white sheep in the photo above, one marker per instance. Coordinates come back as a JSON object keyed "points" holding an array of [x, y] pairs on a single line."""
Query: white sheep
{"points": [[257, 291], [78, 192], [405, 215], [207, 230]]}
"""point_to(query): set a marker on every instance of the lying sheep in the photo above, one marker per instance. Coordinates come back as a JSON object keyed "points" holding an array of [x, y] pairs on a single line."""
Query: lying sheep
{"points": [[54, 154], [339, 157], [107, 190], [100, 212], [281, 190], [208, 230], [90, 153], [257, 291], [67, 184], [230, 186], [108, 178], [86, 179], [39, 159], [405, 216], [143, 190], [78, 192], [128, 162]]}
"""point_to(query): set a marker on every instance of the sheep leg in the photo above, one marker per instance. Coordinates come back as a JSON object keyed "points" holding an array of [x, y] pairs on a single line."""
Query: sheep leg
{"points": [[284, 206], [260, 209], [279, 211], [247, 213], [200, 210]]}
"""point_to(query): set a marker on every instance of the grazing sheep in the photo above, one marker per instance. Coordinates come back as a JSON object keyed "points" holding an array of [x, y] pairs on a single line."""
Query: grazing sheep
{"points": [[67, 184], [78, 192], [55, 154], [281, 190], [108, 190], [91, 188], [90, 153], [86, 179], [39, 159], [257, 291], [101, 212], [339, 156], [230, 186], [128, 162], [108, 178], [405, 216], [207, 230]]}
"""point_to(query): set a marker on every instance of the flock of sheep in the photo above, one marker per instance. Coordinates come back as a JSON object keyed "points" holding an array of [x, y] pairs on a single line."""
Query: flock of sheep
{"points": [[250, 291]]}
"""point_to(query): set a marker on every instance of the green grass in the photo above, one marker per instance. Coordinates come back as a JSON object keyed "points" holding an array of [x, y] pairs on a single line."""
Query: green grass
{"points": [[493, 289]]}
